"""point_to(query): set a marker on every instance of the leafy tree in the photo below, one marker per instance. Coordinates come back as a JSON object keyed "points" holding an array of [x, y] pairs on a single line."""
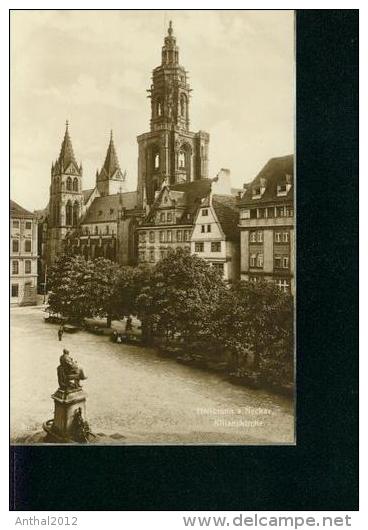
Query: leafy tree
{"points": [[176, 299], [102, 289], [256, 318], [69, 283]]}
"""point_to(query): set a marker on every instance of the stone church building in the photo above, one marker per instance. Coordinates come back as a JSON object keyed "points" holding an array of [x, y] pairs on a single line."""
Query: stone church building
{"points": [[172, 180]]}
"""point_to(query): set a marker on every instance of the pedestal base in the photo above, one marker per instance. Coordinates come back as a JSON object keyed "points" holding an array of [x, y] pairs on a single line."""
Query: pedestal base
{"points": [[67, 402]]}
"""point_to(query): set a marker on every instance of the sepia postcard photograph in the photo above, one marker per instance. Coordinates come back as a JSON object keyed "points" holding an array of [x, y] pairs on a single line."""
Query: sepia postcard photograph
{"points": [[152, 227]]}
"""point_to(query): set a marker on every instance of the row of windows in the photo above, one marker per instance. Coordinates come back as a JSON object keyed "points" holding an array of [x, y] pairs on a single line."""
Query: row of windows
{"points": [[27, 267], [151, 255], [270, 212], [16, 245], [72, 185], [215, 246], [166, 217], [165, 236], [15, 289], [279, 262], [98, 230], [256, 236], [27, 224], [282, 283]]}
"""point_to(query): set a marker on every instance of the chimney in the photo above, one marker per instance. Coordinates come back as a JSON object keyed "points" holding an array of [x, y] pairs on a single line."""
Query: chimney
{"points": [[221, 185]]}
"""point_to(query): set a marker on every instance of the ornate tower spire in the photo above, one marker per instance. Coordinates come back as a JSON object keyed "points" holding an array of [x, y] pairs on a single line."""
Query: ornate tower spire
{"points": [[170, 51]]}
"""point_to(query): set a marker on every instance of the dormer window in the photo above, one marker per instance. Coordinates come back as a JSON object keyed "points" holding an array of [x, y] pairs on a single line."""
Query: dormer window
{"points": [[283, 189], [258, 192], [205, 212]]}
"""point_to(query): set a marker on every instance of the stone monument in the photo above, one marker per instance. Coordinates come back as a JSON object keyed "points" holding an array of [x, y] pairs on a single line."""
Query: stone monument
{"points": [[69, 424]]}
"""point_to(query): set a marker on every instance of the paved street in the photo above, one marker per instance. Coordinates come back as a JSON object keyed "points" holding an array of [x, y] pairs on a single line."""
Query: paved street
{"points": [[134, 392]]}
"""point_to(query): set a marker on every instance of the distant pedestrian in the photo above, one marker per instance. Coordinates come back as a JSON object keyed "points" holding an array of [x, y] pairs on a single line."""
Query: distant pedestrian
{"points": [[60, 332]]}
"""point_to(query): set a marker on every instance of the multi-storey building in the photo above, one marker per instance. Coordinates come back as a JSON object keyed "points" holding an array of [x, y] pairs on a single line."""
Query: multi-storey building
{"points": [[267, 242], [215, 235], [169, 223], [23, 256]]}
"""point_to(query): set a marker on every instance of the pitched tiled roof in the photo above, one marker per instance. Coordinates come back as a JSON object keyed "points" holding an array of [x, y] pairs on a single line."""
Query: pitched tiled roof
{"points": [[227, 213], [87, 194], [106, 208], [194, 192], [41, 214], [274, 173], [18, 211]]}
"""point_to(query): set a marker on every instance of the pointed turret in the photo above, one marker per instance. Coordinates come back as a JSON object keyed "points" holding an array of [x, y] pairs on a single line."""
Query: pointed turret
{"points": [[110, 172], [66, 156], [111, 165], [170, 51]]}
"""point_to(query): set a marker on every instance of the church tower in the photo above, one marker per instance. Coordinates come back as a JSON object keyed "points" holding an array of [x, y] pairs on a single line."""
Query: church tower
{"points": [[66, 198], [170, 151], [110, 180]]}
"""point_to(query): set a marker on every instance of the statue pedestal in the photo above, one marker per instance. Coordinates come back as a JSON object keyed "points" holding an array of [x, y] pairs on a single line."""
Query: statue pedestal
{"points": [[67, 402]]}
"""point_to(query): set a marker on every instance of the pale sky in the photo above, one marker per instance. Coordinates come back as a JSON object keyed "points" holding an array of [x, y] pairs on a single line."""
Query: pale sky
{"points": [[93, 68]]}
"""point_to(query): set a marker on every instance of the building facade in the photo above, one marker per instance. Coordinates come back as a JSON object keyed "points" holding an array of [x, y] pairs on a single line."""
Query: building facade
{"points": [[23, 256], [215, 236], [169, 222], [267, 239]]}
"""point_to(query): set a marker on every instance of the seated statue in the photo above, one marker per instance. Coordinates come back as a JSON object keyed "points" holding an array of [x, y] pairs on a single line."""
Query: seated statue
{"points": [[69, 373]]}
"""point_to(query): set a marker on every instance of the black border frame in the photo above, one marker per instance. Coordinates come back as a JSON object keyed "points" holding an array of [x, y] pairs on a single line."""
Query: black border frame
{"points": [[321, 471]]}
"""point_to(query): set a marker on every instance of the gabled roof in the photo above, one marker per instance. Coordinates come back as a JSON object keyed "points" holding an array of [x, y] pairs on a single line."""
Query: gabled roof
{"points": [[18, 211], [274, 173], [194, 192], [227, 213], [111, 167], [188, 196], [106, 208], [87, 194]]}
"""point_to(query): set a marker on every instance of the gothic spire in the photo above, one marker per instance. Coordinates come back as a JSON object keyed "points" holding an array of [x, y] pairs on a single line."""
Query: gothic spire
{"points": [[66, 156], [111, 164]]}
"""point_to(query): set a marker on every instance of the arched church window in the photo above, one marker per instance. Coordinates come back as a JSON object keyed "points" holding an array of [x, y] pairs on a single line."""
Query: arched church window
{"points": [[68, 183], [75, 184], [68, 213], [181, 159], [183, 105], [159, 108], [75, 213], [157, 161]]}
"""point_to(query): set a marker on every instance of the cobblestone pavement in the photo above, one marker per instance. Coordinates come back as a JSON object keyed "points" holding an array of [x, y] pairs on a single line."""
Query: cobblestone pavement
{"points": [[135, 392]]}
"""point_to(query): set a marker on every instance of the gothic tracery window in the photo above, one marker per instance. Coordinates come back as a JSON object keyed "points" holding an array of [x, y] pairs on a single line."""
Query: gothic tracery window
{"points": [[75, 213], [183, 106], [68, 213], [181, 159], [69, 183], [75, 184]]}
